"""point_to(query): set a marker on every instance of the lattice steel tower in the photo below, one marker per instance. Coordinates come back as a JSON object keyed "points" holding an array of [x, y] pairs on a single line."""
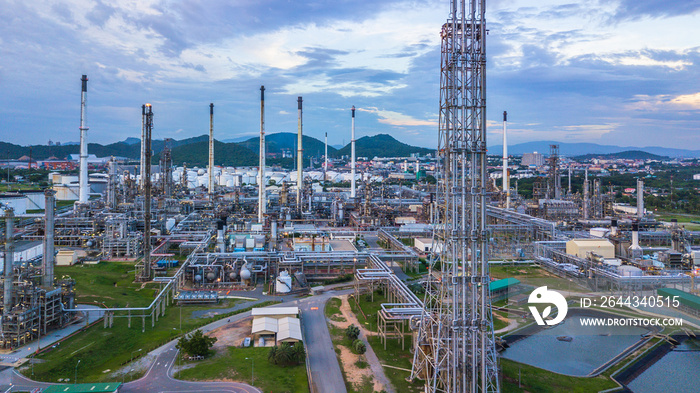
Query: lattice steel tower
{"points": [[456, 349]]}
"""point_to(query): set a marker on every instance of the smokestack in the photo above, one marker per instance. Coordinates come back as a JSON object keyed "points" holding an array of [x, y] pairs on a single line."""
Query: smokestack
{"points": [[48, 238], [585, 196], [111, 184], [143, 144], [9, 255], [325, 162], [300, 153], [569, 179], [352, 149], [146, 274], [506, 175], [261, 170], [83, 198], [640, 198], [211, 150]]}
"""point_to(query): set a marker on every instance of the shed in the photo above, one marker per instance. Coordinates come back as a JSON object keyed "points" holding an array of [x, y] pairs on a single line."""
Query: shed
{"points": [[111, 387], [264, 325], [289, 330], [275, 312], [582, 247], [504, 284], [66, 258], [688, 302]]}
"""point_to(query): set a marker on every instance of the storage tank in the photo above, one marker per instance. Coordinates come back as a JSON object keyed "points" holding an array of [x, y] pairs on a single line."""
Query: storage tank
{"points": [[245, 273], [283, 284]]}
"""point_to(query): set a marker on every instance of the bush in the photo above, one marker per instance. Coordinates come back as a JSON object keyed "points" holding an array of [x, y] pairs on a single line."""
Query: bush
{"points": [[352, 332], [287, 355], [359, 346], [196, 344]]}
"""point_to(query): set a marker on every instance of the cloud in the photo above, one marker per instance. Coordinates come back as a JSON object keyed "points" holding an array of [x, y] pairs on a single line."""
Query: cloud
{"points": [[684, 102], [396, 118], [636, 9]]}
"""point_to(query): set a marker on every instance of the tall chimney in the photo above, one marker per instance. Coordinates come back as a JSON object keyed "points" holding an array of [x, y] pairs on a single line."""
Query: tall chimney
{"points": [[211, 150], [9, 255], [640, 198], [300, 153], [586, 198], [147, 197], [48, 237], [261, 170], [143, 145], [352, 149], [506, 175], [83, 197], [325, 160]]}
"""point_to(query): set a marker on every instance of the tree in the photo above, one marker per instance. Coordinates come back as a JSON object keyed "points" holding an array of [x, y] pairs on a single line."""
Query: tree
{"points": [[299, 352], [196, 344], [287, 355], [352, 332], [359, 346]]}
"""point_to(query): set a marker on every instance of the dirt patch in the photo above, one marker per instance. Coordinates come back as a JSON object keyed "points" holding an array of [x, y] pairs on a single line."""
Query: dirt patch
{"points": [[232, 334], [350, 318], [355, 375]]}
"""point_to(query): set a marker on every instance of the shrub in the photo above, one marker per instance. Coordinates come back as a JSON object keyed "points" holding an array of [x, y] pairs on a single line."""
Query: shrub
{"points": [[196, 344], [359, 346], [352, 332]]}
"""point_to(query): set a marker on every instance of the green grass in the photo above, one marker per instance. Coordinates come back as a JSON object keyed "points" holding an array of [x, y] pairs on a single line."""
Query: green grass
{"points": [[534, 276], [111, 283], [683, 219], [332, 310], [535, 379], [370, 309], [232, 364], [397, 357], [101, 349]]}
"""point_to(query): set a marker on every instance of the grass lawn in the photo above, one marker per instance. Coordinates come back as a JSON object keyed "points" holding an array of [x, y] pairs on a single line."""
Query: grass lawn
{"points": [[683, 219], [535, 379], [101, 349], [237, 364], [535, 276], [111, 283]]}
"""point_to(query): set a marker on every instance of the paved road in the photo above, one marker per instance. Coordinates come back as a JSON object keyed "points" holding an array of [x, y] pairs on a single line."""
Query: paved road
{"points": [[325, 370]]}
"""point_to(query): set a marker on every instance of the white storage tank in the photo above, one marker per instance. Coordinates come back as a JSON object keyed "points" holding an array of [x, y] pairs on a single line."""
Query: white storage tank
{"points": [[283, 284]]}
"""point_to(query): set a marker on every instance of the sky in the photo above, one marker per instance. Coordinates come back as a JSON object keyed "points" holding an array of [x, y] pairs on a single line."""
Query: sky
{"points": [[620, 72]]}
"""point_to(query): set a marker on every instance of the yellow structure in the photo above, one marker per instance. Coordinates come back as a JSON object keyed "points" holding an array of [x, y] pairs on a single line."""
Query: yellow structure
{"points": [[582, 247]]}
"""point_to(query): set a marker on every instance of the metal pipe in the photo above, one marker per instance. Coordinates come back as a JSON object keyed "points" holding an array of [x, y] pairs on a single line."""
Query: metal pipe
{"points": [[352, 149], [300, 162], [211, 150], [261, 169], [9, 255], [83, 197], [48, 259]]}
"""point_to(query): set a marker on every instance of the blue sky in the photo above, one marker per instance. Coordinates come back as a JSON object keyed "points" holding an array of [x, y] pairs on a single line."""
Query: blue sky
{"points": [[620, 72]]}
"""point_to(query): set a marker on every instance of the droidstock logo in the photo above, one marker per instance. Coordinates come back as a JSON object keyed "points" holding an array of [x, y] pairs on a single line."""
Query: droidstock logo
{"points": [[542, 295]]}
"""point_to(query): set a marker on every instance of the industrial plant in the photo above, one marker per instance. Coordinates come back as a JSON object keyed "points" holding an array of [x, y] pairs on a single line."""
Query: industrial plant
{"points": [[357, 227]]}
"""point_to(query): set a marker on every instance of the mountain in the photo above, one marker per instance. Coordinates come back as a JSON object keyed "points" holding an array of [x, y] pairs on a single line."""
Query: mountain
{"points": [[236, 140], [336, 147], [625, 155], [131, 140], [578, 149], [382, 145], [227, 154], [288, 141]]}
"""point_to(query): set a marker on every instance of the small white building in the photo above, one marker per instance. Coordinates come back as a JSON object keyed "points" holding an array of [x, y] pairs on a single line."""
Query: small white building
{"points": [[426, 244], [25, 251], [583, 247]]}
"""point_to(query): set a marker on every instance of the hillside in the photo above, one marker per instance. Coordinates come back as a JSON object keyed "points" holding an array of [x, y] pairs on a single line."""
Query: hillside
{"points": [[578, 149], [382, 145], [625, 155], [226, 154], [287, 140]]}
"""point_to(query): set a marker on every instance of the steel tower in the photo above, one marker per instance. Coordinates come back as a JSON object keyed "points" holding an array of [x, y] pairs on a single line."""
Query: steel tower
{"points": [[456, 351]]}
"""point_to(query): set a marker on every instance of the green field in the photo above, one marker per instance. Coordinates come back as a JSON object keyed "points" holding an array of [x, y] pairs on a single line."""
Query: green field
{"points": [[534, 276], [237, 364], [533, 379], [111, 283], [100, 349], [685, 220]]}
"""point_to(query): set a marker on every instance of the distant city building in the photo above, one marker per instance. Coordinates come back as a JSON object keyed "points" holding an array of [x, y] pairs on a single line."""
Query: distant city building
{"points": [[536, 159], [696, 176]]}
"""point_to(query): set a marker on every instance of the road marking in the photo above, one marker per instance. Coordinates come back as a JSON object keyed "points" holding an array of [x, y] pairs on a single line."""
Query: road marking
{"points": [[314, 308]]}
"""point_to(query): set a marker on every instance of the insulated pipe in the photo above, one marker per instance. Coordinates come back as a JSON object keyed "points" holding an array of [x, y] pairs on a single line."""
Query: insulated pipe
{"points": [[352, 149], [83, 197], [506, 177], [9, 255], [300, 162], [49, 256], [261, 169], [211, 150]]}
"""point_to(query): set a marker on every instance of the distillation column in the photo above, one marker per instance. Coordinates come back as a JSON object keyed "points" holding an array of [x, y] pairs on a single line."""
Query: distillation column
{"points": [[640, 198], [146, 273], [506, 176], [9, 257], [48, 259]]}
